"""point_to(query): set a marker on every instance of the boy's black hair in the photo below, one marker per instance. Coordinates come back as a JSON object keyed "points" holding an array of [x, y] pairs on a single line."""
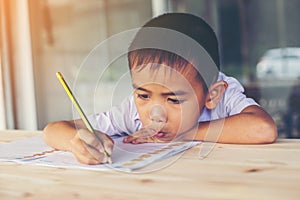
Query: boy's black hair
{"points": [[190, 26]]}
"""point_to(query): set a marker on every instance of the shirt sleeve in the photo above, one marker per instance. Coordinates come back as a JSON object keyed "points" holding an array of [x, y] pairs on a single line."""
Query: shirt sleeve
{"points": [[119, 120], [234, 99]]}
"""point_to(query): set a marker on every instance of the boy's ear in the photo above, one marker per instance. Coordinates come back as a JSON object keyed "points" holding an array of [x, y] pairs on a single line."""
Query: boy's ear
{"points": [[215, 94]]}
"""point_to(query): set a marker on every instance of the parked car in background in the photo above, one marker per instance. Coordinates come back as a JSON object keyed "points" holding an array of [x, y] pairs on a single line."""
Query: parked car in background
{"points": [[280, 63]]}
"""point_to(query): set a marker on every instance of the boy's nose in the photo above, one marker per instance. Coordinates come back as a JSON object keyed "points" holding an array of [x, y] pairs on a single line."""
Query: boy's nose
{"points": [[158, 114]]}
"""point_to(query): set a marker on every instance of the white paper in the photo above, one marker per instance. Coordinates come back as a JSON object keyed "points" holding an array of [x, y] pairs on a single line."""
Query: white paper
{"points": [[125, 157]]}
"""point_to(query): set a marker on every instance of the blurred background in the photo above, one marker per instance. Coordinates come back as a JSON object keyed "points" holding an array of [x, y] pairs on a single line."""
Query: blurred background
{"points": [[259, 45]]}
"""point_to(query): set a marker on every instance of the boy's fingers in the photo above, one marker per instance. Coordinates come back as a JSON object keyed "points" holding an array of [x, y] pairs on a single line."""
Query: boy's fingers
{"points": [[129, 139], [95, 153], [87, 137], [90, 139], [108, 143], [94, 146], [135, 140], [81, 153], [87, 160], [143, 134]]}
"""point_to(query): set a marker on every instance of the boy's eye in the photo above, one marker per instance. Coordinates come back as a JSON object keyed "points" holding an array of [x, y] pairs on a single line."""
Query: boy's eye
{"points": [[175, 101], [143, 96]]}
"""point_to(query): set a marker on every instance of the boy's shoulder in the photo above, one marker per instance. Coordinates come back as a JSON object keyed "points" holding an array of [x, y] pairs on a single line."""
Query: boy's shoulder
{"points": [[223, 77], [234, 100], [233, 84]]}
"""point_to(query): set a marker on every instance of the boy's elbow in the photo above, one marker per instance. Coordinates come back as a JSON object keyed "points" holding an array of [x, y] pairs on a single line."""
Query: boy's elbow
{"points": [[49, 131], [267, 132], [46, 132], [269, 136]]}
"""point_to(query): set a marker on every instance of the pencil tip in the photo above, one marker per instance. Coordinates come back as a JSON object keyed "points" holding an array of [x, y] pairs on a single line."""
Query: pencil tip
{"points": [[108, 156]]}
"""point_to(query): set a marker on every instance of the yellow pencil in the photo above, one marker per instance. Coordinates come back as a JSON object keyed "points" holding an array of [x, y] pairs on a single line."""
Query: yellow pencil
{"points": [[81, 113]]}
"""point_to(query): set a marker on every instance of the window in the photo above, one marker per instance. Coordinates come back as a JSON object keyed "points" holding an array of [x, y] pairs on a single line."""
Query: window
{"points": [[259, 45]]}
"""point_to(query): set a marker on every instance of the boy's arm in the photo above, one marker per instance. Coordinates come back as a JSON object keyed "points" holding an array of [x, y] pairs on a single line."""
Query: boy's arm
{"points": [[73, 136], [252, 126], [59, 134]]}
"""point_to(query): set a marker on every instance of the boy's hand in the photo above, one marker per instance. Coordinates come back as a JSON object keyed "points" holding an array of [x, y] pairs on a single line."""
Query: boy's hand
{"points": [[147, 136], [141, 136], [88, 150]]}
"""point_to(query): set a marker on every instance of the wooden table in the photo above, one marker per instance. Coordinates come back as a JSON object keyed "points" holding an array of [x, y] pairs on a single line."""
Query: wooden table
{"points": [[229, 172]]}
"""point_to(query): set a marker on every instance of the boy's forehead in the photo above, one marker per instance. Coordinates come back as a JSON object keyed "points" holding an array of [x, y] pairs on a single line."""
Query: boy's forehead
{"points": [[164, 75]]}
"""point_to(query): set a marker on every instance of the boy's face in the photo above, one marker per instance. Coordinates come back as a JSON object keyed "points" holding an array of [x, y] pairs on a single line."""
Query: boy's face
{"points": [[179, 95]]}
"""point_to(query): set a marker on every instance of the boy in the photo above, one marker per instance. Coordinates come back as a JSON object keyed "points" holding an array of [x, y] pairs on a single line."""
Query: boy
{"points": [[178, 93]]}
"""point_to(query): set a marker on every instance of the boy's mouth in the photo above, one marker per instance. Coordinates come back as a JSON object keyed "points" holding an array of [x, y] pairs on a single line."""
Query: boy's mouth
{"points": [[160, 134]]}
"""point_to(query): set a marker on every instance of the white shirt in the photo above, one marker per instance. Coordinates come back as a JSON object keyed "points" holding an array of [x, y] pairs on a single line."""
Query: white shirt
{"points": [[124, 119]]}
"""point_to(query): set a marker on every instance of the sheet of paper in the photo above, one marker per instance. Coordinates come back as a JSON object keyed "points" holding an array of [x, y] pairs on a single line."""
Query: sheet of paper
{"points": [[125, 157]]}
